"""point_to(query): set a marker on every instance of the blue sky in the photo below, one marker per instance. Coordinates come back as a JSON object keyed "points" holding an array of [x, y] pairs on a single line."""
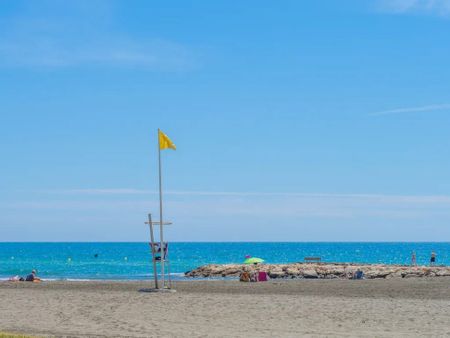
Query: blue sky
{"points": [[294, 120]]}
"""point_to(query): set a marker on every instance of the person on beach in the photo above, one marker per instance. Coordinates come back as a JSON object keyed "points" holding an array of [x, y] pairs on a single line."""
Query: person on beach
{"points": [[433, 258], [245, 276], [358, 274], [32, 277], [413, 259], [16, 279]]}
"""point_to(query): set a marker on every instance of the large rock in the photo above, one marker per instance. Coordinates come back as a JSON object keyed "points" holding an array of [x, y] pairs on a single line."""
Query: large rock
{"points": [[378, 273], [310, 273], [293, 271], [277, 273], [231, 271], [443, 272], [396, 274], [333, 270]]}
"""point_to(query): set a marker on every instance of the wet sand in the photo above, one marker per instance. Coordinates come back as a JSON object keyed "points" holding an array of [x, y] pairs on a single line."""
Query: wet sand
{"points": [[396, 307]]}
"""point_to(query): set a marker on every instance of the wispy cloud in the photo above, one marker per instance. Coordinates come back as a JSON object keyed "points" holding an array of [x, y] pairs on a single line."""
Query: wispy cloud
{"points": [[378, 198], [205, 215], [111, 191], [429, 108], [436, 7], [251, 206], [48, 51], [56, 36]]}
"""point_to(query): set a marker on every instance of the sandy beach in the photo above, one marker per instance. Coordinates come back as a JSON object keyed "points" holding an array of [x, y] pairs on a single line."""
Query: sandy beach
{"points": [[396, 307]]}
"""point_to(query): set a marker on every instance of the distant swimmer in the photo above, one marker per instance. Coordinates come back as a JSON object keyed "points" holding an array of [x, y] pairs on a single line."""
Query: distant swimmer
{"points": [[96, 255]]}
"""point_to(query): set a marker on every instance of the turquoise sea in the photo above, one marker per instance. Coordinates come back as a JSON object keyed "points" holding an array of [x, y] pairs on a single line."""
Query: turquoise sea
{"points": [[131, 261]]}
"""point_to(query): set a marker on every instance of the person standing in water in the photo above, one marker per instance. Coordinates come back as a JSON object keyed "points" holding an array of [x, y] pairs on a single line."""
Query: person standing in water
{"points": [[413, 259], [433, 258]]}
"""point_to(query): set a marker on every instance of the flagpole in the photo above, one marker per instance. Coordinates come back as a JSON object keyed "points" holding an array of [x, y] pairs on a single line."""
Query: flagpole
{"points": [[161, 213]]}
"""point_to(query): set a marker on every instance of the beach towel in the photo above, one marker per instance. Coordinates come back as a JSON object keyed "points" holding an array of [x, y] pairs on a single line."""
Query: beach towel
{"points": [[262, 276]]}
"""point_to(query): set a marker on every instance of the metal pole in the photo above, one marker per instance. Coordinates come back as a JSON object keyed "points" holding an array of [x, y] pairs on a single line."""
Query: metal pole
{"points": [[161, 213], [168, 269], [152, 238]]}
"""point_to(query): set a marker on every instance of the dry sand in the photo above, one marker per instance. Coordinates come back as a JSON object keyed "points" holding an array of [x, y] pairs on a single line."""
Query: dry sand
{"points": [[396, 307]]}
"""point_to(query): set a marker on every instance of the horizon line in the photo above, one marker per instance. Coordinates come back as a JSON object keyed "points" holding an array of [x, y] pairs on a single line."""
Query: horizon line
{"points": [[212, 242]]}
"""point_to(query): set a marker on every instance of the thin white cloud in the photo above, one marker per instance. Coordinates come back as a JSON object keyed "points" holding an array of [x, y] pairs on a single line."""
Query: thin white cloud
{"points": [[57, 36], [379, 198], [434, 7], [55, 52], [113, 191], [429, 108], [253, 205], [203, 215]]}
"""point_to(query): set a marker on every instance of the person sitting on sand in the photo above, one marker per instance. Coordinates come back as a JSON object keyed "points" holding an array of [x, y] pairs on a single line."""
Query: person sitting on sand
{"points": [[32, 277], [245, 276], [358, 274]]}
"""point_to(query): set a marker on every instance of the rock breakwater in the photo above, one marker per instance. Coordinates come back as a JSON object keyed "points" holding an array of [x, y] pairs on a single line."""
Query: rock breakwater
{"points": [[321, 270]]}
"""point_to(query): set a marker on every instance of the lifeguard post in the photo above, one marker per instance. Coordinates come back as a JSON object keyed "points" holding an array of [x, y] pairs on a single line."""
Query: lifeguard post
{"points": [[163, 143], [160, 254]]}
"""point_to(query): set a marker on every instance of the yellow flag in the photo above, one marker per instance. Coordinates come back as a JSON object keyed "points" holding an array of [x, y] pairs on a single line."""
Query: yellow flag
{"points": [[165, 142]]}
